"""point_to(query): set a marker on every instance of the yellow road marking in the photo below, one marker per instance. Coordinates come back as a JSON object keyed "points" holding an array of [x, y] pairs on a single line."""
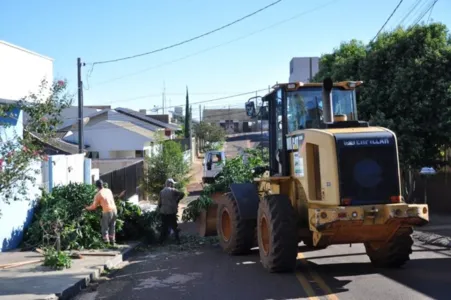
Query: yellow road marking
{"points": [[304, 282], [321, 283]]}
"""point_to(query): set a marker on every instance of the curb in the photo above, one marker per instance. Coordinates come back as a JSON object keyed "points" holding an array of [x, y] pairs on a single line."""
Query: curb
{"points": [[431, 238], [74, 289]]}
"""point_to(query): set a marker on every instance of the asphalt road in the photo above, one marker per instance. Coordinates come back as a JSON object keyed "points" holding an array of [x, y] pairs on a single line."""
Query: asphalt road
{"points": [[338, 272]]}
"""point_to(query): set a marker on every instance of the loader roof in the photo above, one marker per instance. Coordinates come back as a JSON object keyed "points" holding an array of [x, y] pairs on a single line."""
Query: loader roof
{"points": [[348, 85]]}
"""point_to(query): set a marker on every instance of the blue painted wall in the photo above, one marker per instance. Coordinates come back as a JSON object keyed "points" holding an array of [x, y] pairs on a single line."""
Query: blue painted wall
{"points": [[17, 215]]}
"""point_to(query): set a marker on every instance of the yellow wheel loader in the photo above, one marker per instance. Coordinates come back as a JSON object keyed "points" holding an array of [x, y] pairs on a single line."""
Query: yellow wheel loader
{"points": [[332, 179]]}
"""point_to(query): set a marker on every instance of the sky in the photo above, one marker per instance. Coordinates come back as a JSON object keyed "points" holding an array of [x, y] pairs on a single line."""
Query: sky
{"points": [[243, 58]]}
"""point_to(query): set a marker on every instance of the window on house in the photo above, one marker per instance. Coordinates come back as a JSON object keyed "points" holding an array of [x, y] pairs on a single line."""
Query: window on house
{"points": [[139, 153], [93, 155]]}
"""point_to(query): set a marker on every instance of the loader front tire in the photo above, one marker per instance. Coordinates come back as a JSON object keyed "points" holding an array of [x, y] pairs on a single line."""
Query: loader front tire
{"points": [[277, 236], [236, 236], [394, 254]]}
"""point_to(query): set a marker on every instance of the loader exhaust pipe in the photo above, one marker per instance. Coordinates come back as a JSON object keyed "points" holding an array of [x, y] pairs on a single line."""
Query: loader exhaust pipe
{"points": [[328, 115]]}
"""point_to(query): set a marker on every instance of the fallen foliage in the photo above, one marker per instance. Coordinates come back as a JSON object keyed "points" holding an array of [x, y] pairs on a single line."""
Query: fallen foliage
{"points": [[61, 213]]}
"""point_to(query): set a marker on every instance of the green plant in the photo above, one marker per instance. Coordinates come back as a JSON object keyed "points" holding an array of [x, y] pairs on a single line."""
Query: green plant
{"points": [[57, 260], [406, 89], [169, 162], [235, 170], [209, 133], [60, 213], [194, 208], [18, 148]]}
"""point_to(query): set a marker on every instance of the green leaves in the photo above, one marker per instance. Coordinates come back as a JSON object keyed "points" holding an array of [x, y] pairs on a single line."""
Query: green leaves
{"points": [[57, 260], [61, 212], [407, 87], [210, 133], [18, 150], [239, 169], [168, 163]]}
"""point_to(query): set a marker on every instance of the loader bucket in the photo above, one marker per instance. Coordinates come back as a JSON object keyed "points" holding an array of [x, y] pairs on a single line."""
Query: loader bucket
{"points": [[207, 220]]}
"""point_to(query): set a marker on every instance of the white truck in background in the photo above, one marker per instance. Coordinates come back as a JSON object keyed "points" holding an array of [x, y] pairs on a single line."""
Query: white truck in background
{"points": [[213, 163]]}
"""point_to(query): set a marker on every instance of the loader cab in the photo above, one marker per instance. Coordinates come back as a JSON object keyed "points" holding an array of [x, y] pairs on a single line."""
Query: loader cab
{"points": [[297, 106]]}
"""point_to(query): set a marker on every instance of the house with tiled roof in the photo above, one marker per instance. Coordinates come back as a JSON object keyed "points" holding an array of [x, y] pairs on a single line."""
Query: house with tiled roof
{"points": [[119, 133]]}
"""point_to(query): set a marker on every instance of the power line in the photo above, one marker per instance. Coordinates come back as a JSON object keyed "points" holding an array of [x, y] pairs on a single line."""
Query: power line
{"points": [[421, 8], [205, 101], [219, 45], [99, 126], [424, 13], [412, 8], [189, 40], [391, 15], [429, 17], [198, 102]]}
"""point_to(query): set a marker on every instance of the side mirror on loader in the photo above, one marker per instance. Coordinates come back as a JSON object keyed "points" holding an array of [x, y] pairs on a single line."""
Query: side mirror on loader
{"points": [[250, 108]]}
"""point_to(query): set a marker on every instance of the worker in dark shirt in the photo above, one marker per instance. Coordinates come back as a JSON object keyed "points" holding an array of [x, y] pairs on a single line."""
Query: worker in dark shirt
{"points": [[168, 206]]}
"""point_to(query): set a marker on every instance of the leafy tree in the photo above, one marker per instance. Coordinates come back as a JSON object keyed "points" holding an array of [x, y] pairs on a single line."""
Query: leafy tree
{"points": [[343, 63], [236, 170], [18, 150], [169, 162], [210, 133], [187, 116], [407, 88], [61, 213]]}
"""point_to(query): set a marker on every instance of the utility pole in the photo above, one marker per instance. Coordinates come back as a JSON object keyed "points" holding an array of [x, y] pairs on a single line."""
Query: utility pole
{"points": [[81, 141], [228, 122], [200, 112], [311, 70], [164, 95], [191, 131], [261, 118]]}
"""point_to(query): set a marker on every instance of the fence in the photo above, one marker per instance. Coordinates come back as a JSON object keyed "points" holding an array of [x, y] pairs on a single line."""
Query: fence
{"points": [[438, 192], [126, 179]]}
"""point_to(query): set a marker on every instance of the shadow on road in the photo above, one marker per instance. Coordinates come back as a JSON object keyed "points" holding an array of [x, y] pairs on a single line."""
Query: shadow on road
{"points": [[428, 276], [206, 272]]}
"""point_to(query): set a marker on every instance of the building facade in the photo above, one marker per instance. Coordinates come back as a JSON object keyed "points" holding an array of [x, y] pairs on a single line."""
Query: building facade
{"points": [[233, 120], [303, 68], [22, 71]]}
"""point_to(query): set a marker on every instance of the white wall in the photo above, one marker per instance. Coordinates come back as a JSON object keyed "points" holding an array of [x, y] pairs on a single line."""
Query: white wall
{"points": [[123, 154], [21, 71], [300, 68], [105, 137], [67, 169]]}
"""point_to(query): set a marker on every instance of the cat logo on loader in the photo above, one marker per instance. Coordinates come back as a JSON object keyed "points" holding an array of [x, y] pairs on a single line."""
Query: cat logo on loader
{"points": [[332, 179]]}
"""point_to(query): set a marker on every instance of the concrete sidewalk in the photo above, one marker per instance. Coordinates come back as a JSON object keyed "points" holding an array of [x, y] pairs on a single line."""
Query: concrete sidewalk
{"points": [[32, 282]]}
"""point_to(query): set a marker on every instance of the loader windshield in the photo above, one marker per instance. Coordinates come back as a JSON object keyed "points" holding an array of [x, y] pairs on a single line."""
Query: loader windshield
{"points": [[305, 107]]}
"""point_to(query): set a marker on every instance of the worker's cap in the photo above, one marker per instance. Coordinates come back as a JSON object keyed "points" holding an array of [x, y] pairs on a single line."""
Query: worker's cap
{"points": [[170, 180]]}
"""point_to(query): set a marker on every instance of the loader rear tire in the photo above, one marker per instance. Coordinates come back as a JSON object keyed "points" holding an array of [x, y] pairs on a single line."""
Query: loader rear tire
{"points": [[236, 236], [394, 254], [277, 236]]}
